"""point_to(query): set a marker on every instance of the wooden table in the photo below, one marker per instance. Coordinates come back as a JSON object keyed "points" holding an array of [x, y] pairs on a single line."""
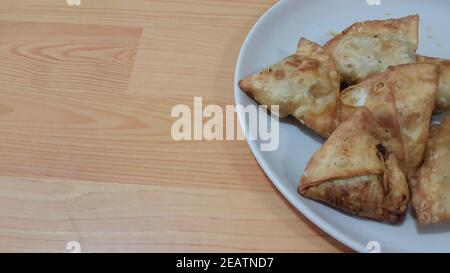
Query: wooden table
{"points": [[85, 148]]}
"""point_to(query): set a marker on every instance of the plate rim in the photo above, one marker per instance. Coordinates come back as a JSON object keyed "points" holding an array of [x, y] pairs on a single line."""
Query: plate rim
{"points": [[309, 214]]}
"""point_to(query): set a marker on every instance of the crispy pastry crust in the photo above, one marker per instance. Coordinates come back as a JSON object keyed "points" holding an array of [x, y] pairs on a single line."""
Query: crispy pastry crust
{"points": [[414, 87], [375, 93], [345, 154], [353, 172], [443, 94], [402, 107], [372, 46], [304, 85], [430, 189]]}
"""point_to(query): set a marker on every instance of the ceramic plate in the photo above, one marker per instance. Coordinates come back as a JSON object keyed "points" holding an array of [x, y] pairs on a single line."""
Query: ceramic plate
{"points": [[275, 36]]}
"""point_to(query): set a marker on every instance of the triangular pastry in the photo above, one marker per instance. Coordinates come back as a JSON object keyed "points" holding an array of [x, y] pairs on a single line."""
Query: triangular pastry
{"points": [[304, 85], [402, 100], [431, 187], [443, 94], [372, 46], [374, 92], [353, 172]]}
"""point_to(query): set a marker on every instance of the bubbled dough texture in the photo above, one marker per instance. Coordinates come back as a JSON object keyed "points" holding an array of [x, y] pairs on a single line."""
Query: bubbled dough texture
{"points": [[431, 188], [304, 85], [372, 46]]}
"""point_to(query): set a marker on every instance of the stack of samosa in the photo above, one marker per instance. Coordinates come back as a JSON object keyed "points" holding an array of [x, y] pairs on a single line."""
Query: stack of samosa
{"points": [[377, 128]]}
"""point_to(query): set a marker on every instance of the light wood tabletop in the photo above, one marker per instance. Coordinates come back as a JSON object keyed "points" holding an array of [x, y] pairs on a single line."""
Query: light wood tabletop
{"points": [[86, 153]]}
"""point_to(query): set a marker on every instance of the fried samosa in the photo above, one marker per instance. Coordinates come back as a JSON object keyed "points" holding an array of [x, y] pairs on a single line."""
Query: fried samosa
{"points": [[353, 172], [402, 100], [304, 85], [443, 94], [375, 93], [431, 187], [372, 46]]}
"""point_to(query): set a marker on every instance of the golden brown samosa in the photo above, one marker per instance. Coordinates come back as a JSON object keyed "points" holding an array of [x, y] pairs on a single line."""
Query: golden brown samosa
{"points": [[431, 187], [414, 87], [353, 172], [375, 93], [372, 46], [402, 100], [304, 85], [443, 94]]}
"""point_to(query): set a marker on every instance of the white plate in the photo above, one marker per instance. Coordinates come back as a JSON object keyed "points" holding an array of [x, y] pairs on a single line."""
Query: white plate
{"points": [[275, 36]]}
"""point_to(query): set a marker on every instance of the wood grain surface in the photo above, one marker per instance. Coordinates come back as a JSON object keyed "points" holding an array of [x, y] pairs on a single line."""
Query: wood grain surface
{"points": [[85, 148]]}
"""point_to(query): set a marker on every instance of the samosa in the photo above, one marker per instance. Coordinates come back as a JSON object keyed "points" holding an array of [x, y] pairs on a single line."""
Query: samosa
{"points": [[372, 46], [354, 172], [431, 187], [304, 85], [443, 94], [402, 100]]}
